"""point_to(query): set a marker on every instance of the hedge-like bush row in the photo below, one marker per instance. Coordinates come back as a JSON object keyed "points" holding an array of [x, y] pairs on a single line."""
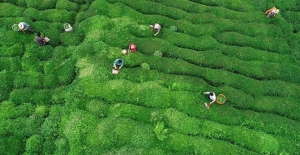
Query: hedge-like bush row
{"points": [[41, 4], [225, 114], [253, 140], [183, 25], [188, 6], [186, 144], [30, 63], [288, 5], [50, 15], [25, 79], [69, 39], [24, 95], [219, 11], [139, 113], [58, 73], [67, 5], [131, 150], [34, 144], [75, 127], [117, 132], [81, 1], [234, 5], [272, 88], [277, 45], [147, 7], [10, 37], [207, 58], [10, 10], [251, 54], [112, 133], [10, 63], [11, 51]]}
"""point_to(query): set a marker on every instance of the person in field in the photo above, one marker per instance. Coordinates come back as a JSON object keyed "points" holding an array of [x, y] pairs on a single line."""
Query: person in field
{"points": [[41, 40], [131, 48], [272, 12], [156, 27], [212, 97], [25, 27], [118, 64]]}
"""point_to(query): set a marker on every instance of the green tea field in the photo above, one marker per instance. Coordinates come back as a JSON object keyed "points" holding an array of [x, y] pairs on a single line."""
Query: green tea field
{"points": [[62, 98]]}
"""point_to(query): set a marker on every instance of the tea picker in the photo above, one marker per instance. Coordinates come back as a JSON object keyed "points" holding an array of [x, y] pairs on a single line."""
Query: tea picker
{"points": [[24, 27], [220, 99], [156, 27], [132, 47], [41, 40], [118, 64], [272, 12]]}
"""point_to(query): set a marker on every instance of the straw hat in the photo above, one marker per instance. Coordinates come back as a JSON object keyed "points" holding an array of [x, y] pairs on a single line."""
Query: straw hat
{"points": [[21, 26], [277, 10]]}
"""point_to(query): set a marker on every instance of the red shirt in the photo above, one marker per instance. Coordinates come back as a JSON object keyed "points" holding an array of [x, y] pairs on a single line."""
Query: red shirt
{"points": [[132, 47]]}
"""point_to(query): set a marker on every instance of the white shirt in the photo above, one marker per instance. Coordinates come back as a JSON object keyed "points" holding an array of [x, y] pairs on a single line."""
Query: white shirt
{"points": [[213, 97], [157, 26]]}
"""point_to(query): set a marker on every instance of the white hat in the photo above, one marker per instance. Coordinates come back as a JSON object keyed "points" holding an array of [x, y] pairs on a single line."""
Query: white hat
{"points": [[21, 25]]}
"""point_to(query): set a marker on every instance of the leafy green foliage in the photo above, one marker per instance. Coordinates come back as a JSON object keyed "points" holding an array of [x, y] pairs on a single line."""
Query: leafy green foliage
{"points": [[160, 131], [33, 144], [63, 99]]}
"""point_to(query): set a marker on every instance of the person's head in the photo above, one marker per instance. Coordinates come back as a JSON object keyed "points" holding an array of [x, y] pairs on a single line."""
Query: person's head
{"points": [[211, 93], [21, 26], [38, 34]]}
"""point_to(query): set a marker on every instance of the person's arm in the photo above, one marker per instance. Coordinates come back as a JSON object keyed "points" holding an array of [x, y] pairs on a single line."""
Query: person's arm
{"points": [[157, 32], [206, 92], [115, 64]]}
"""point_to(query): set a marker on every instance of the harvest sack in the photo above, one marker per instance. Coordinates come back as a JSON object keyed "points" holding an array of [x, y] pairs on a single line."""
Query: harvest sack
{"points": [[114, 71], [46, 39]]}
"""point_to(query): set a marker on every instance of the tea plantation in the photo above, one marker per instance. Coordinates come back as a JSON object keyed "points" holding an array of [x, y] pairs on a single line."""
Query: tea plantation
{"points": [[62, 98]]}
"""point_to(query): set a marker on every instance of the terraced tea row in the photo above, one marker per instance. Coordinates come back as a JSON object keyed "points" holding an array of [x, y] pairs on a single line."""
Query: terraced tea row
{"points": [[63, 99]]}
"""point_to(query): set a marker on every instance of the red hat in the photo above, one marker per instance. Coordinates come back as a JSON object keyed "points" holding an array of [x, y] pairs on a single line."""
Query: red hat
{"points": [[132, 47]]}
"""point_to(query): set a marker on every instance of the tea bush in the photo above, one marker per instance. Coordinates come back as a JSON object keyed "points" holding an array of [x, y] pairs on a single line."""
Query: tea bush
{"points": [[275, 45], [65, 72], [42, 97], [234, 5], [251, 54], [194, 144], [257, 142], [10, 10], [142, 114], [69, 39], [11, 51], [98, 108], [54, 15], [82, 1], [65, 4], [22, 80], [10, 37], [20, 96], [65, 94], [41, 5], [33, 145]]}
